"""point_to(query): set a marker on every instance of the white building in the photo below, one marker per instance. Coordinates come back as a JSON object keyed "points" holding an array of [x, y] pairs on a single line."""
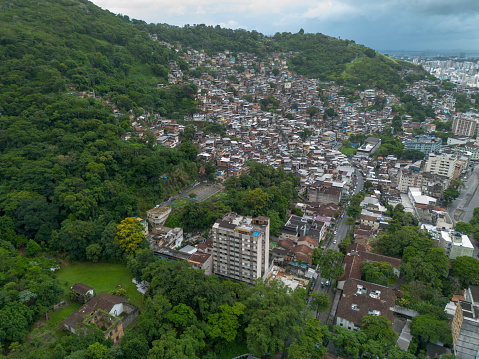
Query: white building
{"points": [[456, 244], [157, 216], [443, 165], [241, 247]]}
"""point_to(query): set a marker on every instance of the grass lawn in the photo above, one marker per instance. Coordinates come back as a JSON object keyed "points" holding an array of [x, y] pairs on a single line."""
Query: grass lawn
{"points": [[348, 151], [59, 315], [103, 277], [393, 280], [233, 351]]}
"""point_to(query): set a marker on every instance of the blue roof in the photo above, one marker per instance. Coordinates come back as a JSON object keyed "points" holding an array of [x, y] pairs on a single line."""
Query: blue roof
{"points": [[255, 234]]}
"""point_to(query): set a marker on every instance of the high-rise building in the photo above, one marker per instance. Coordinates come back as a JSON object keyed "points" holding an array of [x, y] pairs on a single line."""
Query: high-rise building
{"points": [[443, 165], [465, 124], [241, 247]]}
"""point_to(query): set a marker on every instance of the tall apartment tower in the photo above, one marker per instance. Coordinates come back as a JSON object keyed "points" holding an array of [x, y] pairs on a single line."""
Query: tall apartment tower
{"points": [[241, 247], [465, 124]]}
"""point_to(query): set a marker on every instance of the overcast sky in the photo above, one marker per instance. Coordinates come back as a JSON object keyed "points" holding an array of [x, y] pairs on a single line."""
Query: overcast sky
{"points": [[380, 24]]}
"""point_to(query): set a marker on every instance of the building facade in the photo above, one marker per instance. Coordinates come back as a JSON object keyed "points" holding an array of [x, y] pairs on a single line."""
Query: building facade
{"points": [[425, 144], [241, 247], [465, 124], [430, 184], [456, 245], [443, 165]]}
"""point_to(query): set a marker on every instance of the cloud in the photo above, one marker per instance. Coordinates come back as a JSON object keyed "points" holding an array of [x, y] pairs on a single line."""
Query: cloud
{"points": [[331, 10], [376, 23]]}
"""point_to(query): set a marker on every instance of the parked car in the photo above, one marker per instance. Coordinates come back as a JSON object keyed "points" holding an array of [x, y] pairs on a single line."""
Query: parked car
{"points": [[335, 241], [327, 282], [322, 284]]}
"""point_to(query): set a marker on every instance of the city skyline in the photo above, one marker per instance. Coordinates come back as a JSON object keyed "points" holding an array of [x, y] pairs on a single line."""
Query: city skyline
{"points": [[392, 24]]}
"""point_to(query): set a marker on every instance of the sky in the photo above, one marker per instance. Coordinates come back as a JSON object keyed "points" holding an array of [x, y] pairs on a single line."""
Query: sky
{"points": [[379, 24]]}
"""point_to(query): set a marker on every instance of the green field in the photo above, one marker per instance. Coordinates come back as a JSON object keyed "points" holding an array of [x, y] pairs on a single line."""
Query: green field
{"points": [[348, 151], [103, 277]]}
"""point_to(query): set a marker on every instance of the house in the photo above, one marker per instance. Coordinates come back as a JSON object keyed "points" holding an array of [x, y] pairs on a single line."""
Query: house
{"points": [[83, 291], [202, 261], [356, 255], [102, 311], [362, 298]]}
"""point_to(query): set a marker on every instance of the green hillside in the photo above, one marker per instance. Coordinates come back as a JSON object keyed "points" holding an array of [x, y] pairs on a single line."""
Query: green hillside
{"points": [[65, 174], [313, 55]]}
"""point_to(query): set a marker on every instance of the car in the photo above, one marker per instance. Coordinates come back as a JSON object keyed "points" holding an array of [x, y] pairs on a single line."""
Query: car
{"points": [[312, 287], [322, 284], [327, 282], [335, 232], [335, 241]]}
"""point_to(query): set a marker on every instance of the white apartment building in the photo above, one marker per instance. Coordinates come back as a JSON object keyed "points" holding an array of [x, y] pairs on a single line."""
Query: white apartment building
{"points": [[456, 244], [241, 247], [443, 165]]}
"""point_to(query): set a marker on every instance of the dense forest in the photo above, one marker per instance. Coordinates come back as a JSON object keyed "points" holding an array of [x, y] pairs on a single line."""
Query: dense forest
{"points": [[65, 172]]}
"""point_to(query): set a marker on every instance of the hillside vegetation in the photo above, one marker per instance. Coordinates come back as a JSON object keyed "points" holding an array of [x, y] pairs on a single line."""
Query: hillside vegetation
{"points": [[313, 55], [66, 175]]}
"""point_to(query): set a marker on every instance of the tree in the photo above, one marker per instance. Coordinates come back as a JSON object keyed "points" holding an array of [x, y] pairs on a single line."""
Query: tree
{"points": [[225, 324], [427, 328], [33, 248], [320, 302], [330, 263], [98, 351], [378, 328], [272, 315], [464, 227], [94, 252], [305, 133], [330, 113], [312, 111], [353, 211], [15, 318], [181, 315], [466, 269], [377, 272], [367, 185], [311, 343], [254, 201], [129, 235]]}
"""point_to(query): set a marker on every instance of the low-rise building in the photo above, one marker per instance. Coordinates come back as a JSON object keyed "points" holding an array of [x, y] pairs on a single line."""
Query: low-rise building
{"points": [[362, 298], [425, 144], [456, 244], [157, 216]]}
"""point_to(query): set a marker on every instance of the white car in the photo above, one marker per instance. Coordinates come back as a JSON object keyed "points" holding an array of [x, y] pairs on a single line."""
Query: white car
{"points": [[335, 241]]}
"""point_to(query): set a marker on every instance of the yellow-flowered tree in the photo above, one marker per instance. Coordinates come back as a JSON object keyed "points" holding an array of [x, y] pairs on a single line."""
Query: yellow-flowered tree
{"points": [[129, 234]]}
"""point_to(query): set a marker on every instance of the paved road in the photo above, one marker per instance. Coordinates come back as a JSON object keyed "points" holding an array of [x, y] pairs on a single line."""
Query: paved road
{"points": [[461, 209], [342, 230]]}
